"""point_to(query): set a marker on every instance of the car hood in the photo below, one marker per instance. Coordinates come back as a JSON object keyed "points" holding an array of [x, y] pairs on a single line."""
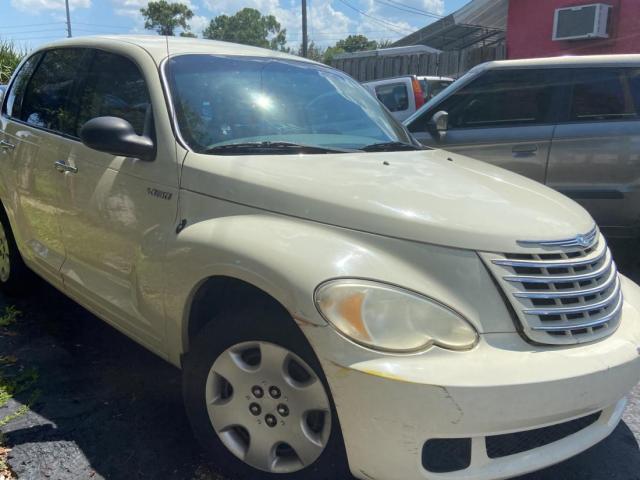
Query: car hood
{"points": [[426, 196]]}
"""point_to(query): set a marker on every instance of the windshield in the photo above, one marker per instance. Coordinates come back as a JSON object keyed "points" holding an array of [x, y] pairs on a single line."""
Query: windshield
{"points": [[222, 100]]}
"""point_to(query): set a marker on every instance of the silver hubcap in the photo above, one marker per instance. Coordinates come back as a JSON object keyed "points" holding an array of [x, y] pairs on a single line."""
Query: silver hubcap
{"points": [[5, 264], [268, 407]]}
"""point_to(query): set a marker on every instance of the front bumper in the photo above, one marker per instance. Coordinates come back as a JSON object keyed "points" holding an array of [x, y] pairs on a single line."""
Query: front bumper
{"points": [[389, 406]]}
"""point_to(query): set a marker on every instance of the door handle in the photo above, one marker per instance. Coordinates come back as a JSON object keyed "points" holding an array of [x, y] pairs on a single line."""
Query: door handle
{"points": [[62, 167], [6, 145], [524, 150]]}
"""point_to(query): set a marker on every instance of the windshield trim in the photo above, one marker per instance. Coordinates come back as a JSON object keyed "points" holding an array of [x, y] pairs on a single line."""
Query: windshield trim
{"points": [[173, 118]]}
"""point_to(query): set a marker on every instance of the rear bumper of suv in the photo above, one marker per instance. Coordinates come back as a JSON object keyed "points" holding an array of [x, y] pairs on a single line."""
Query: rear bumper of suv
{"points": [[502, 409]]}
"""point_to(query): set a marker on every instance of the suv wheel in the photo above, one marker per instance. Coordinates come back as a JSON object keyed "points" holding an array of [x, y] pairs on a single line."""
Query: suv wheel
{"points": [[14, 274], [259, 403]]}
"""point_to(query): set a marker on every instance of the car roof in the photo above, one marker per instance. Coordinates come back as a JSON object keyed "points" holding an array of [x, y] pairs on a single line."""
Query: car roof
{"points": [[408, 77], [434, 77], [566, 61], [157, 46]]}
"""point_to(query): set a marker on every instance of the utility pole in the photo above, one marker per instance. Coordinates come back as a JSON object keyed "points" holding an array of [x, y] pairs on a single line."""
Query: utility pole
{"points": [[305, 45], [66, 2]]}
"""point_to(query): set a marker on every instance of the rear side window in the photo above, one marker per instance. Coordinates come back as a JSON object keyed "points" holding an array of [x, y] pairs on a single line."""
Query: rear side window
{"points": [[46, 101], [601, 94], [114, 87], [394, 96], [16, 94]]}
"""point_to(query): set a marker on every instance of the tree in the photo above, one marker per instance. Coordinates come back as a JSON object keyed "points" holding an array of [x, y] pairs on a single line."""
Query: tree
{"points": [[385, 43], [248, 26], [165, 17], [353, 43], [356, 43], [314, 52], [331, 52], [188, 34]]}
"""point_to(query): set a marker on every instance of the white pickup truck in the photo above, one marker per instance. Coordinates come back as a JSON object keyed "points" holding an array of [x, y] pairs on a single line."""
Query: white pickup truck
{"points": [[406, 94]]}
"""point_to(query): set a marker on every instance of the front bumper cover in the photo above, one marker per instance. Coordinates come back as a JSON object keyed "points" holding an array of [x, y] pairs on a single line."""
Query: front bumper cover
{"points": [[389, 406]]}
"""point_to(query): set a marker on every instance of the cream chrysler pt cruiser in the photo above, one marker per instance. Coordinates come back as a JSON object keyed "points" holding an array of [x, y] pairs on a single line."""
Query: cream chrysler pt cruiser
{"points": [[341, 301]]}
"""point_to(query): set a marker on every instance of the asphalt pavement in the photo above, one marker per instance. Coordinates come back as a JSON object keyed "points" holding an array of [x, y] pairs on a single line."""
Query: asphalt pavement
{"points": [[102, 407]]}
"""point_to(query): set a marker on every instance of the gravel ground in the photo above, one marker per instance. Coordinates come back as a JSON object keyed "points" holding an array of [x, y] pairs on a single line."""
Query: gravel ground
{"points": [[102, 407]]}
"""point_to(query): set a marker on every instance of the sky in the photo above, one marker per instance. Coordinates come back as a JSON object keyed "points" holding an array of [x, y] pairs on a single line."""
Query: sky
{"points": [[33, 22]]}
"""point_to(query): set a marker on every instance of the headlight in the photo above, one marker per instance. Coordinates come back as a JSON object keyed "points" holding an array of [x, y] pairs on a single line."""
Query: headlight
{"points": [[389, 318]]}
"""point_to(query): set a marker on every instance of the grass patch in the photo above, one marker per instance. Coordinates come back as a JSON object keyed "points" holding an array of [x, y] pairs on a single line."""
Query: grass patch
{"points": [[10, 57], [14, 380], [11, 385], [9, 316]]}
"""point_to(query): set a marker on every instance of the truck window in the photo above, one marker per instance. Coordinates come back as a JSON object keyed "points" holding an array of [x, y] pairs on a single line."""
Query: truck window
{"points": [[601, 94], [394, 96], [114, 87], [431, 88]]}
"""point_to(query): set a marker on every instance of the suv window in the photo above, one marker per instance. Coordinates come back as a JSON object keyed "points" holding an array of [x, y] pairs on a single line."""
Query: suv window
{"points": [[46, 100], [394, 96], [16, 94], [500, 98], [634, 84], [114, 87], [601, 94]]}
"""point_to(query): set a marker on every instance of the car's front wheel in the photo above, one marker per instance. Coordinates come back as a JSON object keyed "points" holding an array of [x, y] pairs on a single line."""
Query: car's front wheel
{"points": [[15, 276], [259, 403]]}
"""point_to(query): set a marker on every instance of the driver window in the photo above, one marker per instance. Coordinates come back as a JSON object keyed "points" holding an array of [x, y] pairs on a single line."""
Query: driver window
{"points": [[504, 98], [114, 87]]}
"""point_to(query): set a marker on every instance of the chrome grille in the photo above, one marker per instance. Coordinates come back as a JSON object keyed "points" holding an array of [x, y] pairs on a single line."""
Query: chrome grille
{"points": [[562, 295]]}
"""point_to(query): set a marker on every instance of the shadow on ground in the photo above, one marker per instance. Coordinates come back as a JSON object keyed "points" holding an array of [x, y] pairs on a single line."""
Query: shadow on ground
{"points": [[104, 407]]}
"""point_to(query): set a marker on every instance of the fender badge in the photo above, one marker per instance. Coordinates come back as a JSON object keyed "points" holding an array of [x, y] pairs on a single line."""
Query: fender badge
{"points": [[159, 193]]}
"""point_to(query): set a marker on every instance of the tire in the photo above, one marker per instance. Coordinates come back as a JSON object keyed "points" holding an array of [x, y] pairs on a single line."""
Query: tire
{"points": [[267, 329], [15, 276]]}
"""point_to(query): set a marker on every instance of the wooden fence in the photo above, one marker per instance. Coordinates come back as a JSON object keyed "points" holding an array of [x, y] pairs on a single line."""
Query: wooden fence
{"points": [[446, 64]]}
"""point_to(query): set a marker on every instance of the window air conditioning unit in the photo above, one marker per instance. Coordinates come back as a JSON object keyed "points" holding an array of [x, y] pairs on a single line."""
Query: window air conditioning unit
{"points": [[581, 22]]}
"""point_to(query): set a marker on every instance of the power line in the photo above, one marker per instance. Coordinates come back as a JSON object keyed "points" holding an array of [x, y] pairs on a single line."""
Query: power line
{"points": [[39, 30], [102, 25], [28, 25], [29, 34], [390, 25], [332, 36], [409, 8], [38, 38]]}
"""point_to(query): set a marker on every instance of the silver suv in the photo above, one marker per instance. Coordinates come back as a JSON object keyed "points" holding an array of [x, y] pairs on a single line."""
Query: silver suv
{"points": [[340, 299], [572, 123]]}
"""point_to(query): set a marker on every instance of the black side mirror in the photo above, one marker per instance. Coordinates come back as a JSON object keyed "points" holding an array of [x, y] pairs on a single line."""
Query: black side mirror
{"points": [[438, 125], [116, 136]]}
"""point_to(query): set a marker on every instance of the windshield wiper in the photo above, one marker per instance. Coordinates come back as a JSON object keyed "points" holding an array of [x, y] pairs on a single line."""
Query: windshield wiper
{"points": [[390, 147], [271, 147]]}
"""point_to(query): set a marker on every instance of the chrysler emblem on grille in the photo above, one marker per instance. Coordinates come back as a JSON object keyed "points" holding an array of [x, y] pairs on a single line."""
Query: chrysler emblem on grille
{"points": [[583, 240]]}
